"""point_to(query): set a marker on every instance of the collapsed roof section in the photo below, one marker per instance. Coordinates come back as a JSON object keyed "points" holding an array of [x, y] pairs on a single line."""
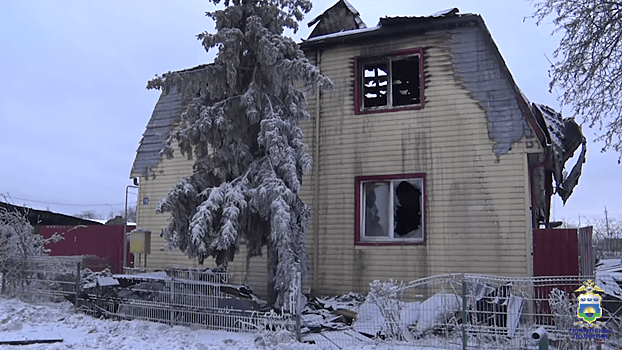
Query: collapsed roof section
{"points": [[340, 17], [564, 136]]}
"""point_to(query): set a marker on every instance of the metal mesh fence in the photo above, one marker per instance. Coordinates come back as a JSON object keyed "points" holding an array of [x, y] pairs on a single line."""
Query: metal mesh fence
{"points": [[176, 296], [40, 279], [474, 312], [182, 296], [454, 311]]}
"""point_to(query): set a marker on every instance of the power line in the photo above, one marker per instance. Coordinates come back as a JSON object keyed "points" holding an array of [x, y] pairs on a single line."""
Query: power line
{"points": [[68, 204]]}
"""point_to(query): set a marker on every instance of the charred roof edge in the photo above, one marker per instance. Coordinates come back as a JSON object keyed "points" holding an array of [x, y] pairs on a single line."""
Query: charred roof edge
{"points": [[418, 24]]}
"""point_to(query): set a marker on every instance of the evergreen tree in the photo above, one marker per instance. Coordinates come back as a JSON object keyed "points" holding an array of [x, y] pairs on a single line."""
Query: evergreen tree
{"points": [[241, 129]]}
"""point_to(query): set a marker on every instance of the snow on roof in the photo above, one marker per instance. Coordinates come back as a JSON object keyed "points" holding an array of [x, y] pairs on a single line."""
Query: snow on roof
{"points": [[394, 22], [341, 34]]}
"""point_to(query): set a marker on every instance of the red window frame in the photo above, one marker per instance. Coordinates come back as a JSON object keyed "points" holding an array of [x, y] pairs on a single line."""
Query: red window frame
{"points": [[358, 100], [359, 180]]}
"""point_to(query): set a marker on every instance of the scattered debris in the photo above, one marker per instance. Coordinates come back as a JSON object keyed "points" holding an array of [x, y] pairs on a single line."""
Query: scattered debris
{"points": [[515, 309], [90, 279], [105, 281], [27, 335], [437, 310], [330, 313], [386, 312], [370, 320], [498, 307], [565, 136], [609, 278]]}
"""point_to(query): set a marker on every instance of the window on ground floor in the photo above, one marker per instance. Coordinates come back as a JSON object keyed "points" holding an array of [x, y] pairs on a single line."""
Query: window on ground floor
{"points": [[390, 209]]}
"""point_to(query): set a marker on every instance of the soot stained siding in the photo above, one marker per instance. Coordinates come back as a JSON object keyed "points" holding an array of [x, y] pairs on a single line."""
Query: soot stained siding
{"points": [[481, 73]]}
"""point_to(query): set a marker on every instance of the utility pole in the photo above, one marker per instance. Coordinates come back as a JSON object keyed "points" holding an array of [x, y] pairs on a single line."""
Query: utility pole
{"points": [[579, 215], [607, 222], [125, 228]]}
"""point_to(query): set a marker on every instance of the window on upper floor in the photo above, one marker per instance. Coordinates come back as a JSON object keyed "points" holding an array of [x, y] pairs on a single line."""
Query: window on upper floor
{"points": [[392, 82], [390, 209]]}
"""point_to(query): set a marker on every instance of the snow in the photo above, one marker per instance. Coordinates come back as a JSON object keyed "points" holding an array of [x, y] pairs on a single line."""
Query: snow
{"points": [[104, 281], [156, 275], [19, 320], [436, 309], [608, 281], [370, 320], [609, 264], [340, 34]]}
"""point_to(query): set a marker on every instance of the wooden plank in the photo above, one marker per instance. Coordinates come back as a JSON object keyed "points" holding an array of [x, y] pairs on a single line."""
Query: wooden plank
{"points": [[29, 336]]}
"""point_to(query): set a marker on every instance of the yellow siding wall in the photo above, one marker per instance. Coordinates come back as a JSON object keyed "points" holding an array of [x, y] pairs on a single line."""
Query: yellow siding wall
{"points": [[477, 204], [167, 173]]}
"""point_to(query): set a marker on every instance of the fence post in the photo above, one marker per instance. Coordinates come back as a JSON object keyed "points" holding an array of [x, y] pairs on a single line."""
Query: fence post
{"points": [[298, 306], [76, 304], [172, 303], [3, 281], [464, 313]]}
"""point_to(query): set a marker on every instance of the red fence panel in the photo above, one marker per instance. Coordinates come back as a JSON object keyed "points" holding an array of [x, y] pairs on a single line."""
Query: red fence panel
{"points": [[555, 252], [102, 241], [586, 256]]}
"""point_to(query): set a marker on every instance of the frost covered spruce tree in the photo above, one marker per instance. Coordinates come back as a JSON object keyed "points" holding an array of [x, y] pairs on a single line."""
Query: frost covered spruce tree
{"points": [[241, 129]]}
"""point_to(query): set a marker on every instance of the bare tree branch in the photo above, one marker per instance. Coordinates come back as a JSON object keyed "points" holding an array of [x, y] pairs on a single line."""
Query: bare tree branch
{"points": [[588, 62]]}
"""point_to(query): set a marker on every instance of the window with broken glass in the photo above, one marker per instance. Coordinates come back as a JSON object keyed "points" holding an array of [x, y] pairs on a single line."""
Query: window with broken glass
{"points": [[390, 82], [391, 210]]}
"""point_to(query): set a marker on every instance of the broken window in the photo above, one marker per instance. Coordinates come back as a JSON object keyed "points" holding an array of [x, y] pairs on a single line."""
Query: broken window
{"points": [[391, 209], [390, 82], [375, 84], [405, 81]]}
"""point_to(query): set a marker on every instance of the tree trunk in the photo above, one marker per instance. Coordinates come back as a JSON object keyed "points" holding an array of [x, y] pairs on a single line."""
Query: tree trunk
{"points": [[272, 263]]}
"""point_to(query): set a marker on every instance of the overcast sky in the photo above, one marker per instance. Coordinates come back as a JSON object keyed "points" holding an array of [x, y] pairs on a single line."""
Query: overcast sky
{"points": [[73, 103]]}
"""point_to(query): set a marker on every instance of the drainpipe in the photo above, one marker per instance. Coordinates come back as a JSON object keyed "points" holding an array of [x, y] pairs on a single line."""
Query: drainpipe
{"points": [[316, 182], [125, 228]]}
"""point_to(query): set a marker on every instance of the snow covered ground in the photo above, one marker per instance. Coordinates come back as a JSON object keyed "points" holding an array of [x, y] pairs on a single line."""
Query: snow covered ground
{"points": [[21, 321]]}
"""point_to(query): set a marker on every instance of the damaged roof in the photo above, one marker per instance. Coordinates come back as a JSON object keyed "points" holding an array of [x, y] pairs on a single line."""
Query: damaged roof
{"points": [[564, 136], [340, 17], [334, 31], [342, 24]]}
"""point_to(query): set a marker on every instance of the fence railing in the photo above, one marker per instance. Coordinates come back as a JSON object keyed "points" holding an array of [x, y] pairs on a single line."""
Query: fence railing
{"points": [[608, 248], [176, 296], [467, 311], [41, 279], [454, 311]]}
